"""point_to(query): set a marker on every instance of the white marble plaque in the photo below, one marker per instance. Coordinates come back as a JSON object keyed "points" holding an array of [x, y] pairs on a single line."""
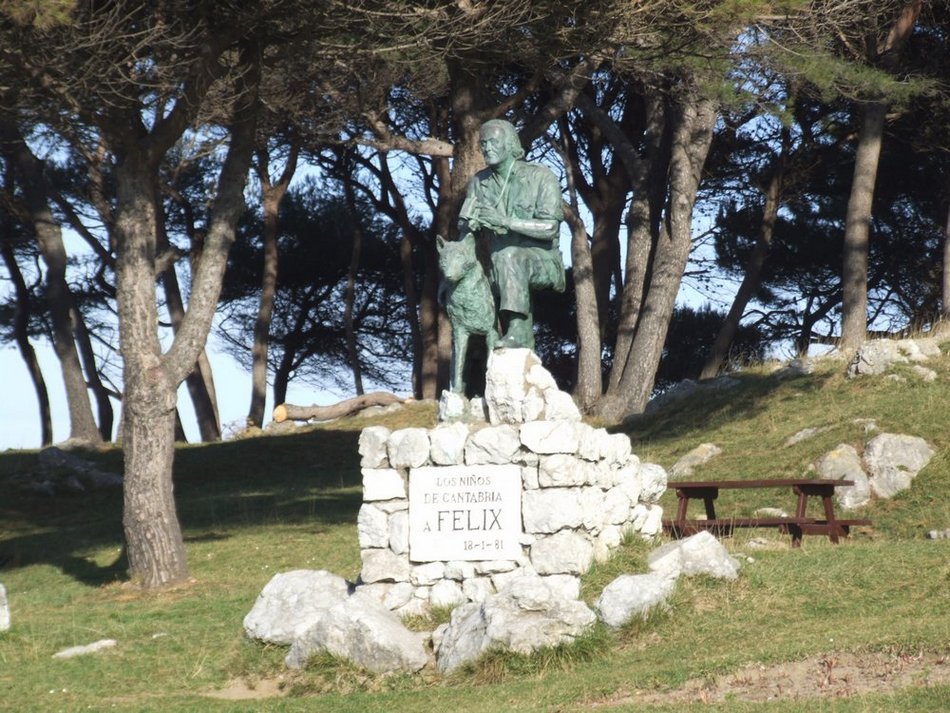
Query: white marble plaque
{"points": [[464, 512]]}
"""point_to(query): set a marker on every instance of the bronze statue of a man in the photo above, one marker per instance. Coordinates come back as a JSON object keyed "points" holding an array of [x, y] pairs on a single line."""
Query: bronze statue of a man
{"points": [[517, 206]]}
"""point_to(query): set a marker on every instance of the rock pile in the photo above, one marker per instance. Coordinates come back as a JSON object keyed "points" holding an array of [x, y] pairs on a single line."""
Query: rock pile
{"points": [[582, 491]]}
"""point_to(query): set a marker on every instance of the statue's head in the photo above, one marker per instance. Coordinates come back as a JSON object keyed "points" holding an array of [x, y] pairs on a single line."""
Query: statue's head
{"points": [[499, 140]]}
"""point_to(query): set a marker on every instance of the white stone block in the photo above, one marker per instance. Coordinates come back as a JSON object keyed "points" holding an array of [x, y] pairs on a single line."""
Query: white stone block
{"points": [[540, 377], [478, 589], [550, 436], [628, 479], [494, 445], [558, 405], [592, 507], [399, 595], [383, 565], [493, 566], [588, 441], [550, 510], [446, 593], [532, 408], [529, 477], [647, 519], [616, 448], [653, 481], [566, 586], [448, 444], [564, 552], [408, 448], [382, 484], [616, 506], [399, 532], [459, 570], [372, 527], [372, 447], [562, 470], [427, 574]]}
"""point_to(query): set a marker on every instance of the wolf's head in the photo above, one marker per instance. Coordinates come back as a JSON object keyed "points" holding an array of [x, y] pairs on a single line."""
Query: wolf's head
{"points": [[456, 259]]}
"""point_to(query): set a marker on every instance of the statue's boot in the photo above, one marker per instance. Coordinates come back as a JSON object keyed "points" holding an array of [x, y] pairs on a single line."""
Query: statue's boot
{"points": [[519, 335]]}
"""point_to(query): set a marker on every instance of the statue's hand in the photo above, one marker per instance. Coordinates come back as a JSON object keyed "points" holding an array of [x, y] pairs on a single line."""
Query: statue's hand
{"points": [[494, 220]]}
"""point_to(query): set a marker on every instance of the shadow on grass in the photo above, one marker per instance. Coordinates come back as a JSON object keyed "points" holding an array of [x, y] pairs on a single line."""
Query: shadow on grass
{"points": [[713, 405], [312, 477]]}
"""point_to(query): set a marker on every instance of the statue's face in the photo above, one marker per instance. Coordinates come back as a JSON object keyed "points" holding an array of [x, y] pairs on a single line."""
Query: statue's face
{"points": [[493, 145]]}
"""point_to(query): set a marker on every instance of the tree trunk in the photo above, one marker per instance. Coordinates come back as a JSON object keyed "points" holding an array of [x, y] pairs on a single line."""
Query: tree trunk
{"points": [[285, 412], [588, 387], [945, 301], [753, 271], [352, 349], [153, 536], [694, 119], [21, 321], [273, 194], [152, 531], [99, 390], [29, 169], [199, 381], [854, 277]]}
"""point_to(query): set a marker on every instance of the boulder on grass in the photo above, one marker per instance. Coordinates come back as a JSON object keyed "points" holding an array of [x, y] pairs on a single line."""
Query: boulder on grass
{"points": [[292, 602], [527, 615], [363, 631]]}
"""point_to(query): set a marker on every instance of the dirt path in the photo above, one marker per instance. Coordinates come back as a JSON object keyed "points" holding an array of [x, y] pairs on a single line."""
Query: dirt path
{"points": [[835, 675]]}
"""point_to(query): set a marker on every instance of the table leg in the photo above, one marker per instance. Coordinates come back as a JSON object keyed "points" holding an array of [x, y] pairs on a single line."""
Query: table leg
{"points": [[833, 531]]}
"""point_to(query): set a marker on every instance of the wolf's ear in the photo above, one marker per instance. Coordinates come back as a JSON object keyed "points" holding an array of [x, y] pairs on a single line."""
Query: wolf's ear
{"points": [[439, 242]]}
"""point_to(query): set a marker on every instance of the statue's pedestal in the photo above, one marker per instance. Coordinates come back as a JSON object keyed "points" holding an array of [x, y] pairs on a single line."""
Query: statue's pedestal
{"points": [[452, 514]]}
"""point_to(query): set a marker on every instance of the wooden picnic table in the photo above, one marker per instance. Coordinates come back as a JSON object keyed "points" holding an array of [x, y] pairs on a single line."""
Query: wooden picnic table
{"points": [[798, 525]]}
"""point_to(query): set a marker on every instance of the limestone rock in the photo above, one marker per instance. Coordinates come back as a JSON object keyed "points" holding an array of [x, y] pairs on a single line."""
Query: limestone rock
{"points": [[562, 470], [383, 565], [506, 384], [427, 574], [844, 463], [700, 455], [372, 527], [518, 389], [647, 519], [632, 595], [448, 444], [565, 552], [550, 436], [494, 445], [382, 484], [398, 596], [892, 462], [361, 630], [372, 447], [292, 602], [85, 649], [653, 480], [446, 593], [701, 553], [526, 616], [478, 589], [4, 609], [399, 532], [408, 448], [550, 510], [560, 406]]}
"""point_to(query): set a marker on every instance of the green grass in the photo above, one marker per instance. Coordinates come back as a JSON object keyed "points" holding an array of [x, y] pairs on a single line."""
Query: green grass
{"points": [[251, 508]]}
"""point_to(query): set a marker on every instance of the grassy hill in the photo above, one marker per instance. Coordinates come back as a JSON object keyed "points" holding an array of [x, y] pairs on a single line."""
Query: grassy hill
{"points": [[862, 626]]}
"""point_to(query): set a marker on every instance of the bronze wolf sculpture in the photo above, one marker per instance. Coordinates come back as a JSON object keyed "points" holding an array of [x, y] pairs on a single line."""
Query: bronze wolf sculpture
{"points": [[468, 299]]}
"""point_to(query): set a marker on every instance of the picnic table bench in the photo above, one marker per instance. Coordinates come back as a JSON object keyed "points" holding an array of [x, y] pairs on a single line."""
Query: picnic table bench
{"points": [[798, 525]]}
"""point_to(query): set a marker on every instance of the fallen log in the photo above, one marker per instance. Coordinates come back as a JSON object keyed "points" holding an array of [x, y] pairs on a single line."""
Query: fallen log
{"points": [[286, 412]]}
